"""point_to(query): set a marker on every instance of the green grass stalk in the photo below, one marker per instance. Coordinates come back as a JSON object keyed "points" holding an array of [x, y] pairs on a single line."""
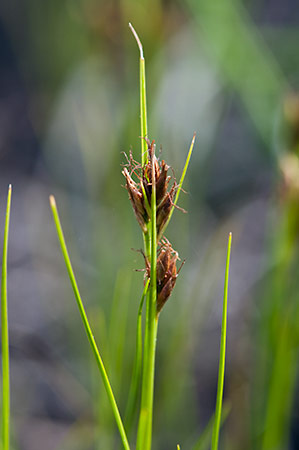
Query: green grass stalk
{"points": [[204, 441], [153, 319], [144, 436], [89, 333], [4, 334], [218, 411]]}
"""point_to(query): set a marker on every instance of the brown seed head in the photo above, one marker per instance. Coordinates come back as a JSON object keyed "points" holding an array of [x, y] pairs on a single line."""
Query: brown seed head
{"points": [[166, 273], [143, 187], [137, 200], [163, 261], [164, 210], [162, 182], [165, 293]]}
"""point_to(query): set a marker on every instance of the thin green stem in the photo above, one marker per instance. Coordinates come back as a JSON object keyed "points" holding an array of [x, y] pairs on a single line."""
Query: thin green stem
{"points": [[134, 388], [143, 109], [203, 442], [4, 334], [143, 413], [218, 411], [146, 203], [89, 333], [146, 415], [153, 322]]}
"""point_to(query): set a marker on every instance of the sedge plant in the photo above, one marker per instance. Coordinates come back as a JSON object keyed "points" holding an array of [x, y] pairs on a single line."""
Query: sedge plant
{"points": [[154, 195]]}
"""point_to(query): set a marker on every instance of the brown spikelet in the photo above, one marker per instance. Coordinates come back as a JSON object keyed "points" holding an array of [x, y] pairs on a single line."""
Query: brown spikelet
{"points": [[142, 188], [167, 272], [137, 200]]}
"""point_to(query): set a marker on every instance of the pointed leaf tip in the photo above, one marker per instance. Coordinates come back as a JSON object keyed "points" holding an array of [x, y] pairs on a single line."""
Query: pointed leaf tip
{"points": [[137, 40], [52, 201]]}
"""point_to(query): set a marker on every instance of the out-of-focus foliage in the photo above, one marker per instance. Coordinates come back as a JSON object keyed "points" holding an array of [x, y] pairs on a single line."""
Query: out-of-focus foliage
{"points": [[69, 107]]}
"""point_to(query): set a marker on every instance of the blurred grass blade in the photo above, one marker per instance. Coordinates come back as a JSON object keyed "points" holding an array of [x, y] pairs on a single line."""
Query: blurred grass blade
{"points": [[118, 327], [181, 182], [216, 427], [282, 383], [178, 447], [143, 109], [87, 326], [4, 334], [135, 382], [261, 85], [203, 442]]}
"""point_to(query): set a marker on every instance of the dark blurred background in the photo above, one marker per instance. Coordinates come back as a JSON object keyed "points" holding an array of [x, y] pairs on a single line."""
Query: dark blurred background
{"points": [[69, 107]]}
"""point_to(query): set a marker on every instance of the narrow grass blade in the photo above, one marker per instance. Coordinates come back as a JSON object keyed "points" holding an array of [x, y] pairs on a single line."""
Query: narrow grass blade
{"points": [[185, 170], [143, 109], [203, 442], [4, 334], [178, 447], [89, 333], [218, 411], [181, 181], [134, 388]]}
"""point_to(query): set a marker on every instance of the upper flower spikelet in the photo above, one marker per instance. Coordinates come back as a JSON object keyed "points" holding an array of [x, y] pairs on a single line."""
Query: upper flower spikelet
{"points": [[140, 191]]}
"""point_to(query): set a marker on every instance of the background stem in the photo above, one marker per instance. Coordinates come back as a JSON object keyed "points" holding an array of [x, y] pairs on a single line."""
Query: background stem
{"points": [[5, 336], [135, 382], [217, 422]]}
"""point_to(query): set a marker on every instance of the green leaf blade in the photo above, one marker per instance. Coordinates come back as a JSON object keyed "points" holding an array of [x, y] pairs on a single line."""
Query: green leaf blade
{"points": [[179, 188], [87, 327], [218, 411], [4, 334]]}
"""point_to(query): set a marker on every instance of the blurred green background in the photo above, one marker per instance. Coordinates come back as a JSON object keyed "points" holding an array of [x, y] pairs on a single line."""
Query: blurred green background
{"points": [[69, 107]]}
